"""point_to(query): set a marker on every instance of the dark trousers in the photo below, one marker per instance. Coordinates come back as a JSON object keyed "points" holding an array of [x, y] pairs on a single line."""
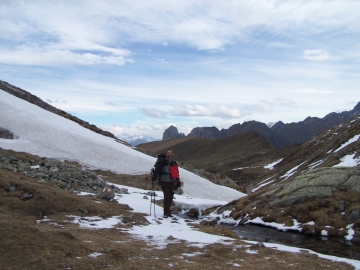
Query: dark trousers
{"points": [[168, 190]]}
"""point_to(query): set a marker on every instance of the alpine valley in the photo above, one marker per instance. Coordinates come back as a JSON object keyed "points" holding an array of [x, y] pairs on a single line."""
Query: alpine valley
{"points": [[302, 177]]}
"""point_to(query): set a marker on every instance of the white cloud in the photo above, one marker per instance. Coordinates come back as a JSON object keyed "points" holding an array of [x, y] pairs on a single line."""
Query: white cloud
{"points": [[280, 102], [161, 60], [204, 24], [312, 91], [155, 130], [316, 55], [235, 111], [213, 110], [57, 101], [153, 113], [109, 103], [279, 44], [52, 55]]}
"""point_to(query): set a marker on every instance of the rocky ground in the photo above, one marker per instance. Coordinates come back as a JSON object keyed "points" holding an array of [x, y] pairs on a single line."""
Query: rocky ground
{"points": [[325, 199], [34, 189]]}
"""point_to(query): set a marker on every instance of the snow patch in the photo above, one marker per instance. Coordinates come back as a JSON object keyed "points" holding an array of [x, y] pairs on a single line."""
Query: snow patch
{"points": [[354, 139], [349, 161], [271, 165]]}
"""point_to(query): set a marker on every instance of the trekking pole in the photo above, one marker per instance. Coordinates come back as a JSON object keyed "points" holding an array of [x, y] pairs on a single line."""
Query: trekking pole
{"points": [[153, 191], [151, 194], [150, 201]]}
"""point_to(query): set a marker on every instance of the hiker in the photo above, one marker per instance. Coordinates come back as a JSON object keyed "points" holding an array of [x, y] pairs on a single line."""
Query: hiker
{"points": [[166, 168]]}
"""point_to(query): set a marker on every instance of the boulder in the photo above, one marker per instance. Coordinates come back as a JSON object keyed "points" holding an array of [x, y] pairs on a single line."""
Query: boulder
{"points": [[193, 212], [353, 216], [318, 183], [6, 134]]}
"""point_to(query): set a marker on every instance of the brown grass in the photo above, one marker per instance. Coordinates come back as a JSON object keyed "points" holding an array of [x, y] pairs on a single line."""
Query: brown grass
{"points": [[139, 181]]}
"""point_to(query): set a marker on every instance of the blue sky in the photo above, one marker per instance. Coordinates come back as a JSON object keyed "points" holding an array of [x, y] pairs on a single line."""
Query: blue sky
{"points": [[141, 66]]}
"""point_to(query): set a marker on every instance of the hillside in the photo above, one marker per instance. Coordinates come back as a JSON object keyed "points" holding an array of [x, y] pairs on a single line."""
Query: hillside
{"points": [[314, 188], [25, 95], [43, 133], [158, 147], [215, 156], [222, 156], [217, 159]]}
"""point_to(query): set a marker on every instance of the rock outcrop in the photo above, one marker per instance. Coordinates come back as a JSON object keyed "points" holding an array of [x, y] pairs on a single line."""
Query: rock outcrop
{"points": [[6, 134], [318, 183], [204, 132], [322, 201], [172, 133]]}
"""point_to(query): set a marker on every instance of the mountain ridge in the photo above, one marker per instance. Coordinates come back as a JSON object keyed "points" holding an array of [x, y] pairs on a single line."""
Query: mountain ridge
{"points": [[281, 135]]}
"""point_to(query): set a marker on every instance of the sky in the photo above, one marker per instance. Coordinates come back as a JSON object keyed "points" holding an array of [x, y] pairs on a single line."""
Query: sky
{"points": [[138, 67]]}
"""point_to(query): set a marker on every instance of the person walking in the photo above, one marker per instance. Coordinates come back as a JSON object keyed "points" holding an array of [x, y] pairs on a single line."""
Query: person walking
{"points": [[167, 169]]}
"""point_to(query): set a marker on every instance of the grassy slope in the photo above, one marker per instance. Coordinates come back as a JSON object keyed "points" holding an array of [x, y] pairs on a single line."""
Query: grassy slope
{"points": [[59, 244]]}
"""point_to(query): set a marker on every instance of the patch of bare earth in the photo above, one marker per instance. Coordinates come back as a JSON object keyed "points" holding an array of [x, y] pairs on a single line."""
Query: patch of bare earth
{"points": [[56, 243]]}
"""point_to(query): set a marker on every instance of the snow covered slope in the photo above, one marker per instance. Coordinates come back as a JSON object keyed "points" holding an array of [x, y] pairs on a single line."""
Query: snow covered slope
{"points": [[46, 134]]}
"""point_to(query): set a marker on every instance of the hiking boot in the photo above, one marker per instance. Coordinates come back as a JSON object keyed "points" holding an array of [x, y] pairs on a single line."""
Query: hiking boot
{"points": [[167, 215]]}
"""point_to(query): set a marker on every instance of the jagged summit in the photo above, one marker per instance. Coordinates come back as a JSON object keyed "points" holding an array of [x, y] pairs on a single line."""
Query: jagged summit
{"points": [[204, 132], [172, 133]]}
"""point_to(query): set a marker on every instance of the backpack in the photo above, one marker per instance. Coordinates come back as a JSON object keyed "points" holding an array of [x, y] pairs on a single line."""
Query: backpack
{"points": [[174, 170], [154, 173]]}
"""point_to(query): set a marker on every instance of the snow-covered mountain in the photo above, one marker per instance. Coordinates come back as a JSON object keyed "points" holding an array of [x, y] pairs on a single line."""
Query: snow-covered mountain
{"points": [[46, 134], [135, 139]]}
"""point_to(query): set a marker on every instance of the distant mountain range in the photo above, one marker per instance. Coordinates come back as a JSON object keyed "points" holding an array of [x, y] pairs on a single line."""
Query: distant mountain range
{"points": [[279, 134], [134, 139]]}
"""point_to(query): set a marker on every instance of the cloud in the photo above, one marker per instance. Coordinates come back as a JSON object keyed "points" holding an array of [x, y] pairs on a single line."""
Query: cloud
{"points": [[279, 102], [313, 91], [109, 103], [281, 45], [52, 55], [161, 60], [154, 113], [213, 110], [316, 55], [205, 25], [155, 130], [57, 101]]}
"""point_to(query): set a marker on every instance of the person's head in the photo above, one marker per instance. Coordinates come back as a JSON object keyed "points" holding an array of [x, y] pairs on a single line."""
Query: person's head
{"points": [[169, 154]]}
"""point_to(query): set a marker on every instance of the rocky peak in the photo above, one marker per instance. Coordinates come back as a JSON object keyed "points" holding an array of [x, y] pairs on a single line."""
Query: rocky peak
{"points": [[204, 132], [356, 109], [172, 133], [277, 125]]}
